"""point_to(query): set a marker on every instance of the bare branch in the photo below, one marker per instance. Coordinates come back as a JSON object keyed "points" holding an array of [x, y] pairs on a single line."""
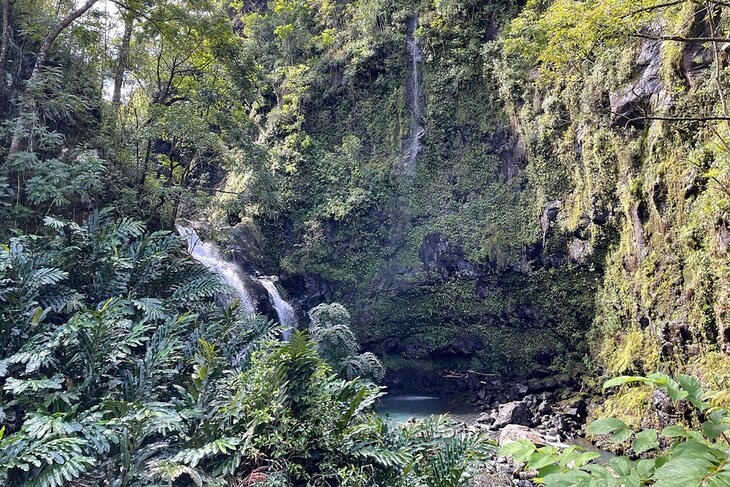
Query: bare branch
{"points": [[680, 38]]}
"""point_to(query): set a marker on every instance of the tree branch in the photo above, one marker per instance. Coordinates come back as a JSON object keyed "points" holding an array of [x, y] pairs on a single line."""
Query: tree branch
{"points": [[122, 61], [680, 38], [655, 7], [667, 118]]}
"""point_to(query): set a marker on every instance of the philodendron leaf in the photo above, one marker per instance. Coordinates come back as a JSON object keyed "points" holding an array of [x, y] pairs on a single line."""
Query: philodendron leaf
{"points": [[694, 391], [645, 440], [663, 381]]}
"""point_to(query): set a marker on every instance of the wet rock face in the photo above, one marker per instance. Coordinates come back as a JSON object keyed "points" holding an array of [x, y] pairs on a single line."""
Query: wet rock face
{"points": [[462, 346], [698, 56], [442, 259], [550, 215], [306, 292], [631, 103]]}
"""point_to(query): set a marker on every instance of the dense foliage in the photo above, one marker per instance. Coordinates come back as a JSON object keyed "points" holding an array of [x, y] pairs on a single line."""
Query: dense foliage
{"points": [[116, 366], [573, 176], [692, 451]]}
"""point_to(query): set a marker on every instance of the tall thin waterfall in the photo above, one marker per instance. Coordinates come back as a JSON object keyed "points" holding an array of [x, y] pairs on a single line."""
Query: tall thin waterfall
{"points": [[209, 255], [283, 309], [405, 166]]}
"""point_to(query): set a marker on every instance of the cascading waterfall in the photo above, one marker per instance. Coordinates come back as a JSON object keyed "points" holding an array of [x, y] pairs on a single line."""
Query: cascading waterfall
{"points": [[283, 309], [406, 163], [209, 255]]}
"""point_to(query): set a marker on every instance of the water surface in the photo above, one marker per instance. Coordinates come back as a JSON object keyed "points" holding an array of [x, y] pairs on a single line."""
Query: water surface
{"points": [[401, 408]]}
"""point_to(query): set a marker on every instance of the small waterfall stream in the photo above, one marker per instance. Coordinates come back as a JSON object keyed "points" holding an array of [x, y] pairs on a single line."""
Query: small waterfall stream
{"points": [[209, 255], [406, 164], [283, 309]]}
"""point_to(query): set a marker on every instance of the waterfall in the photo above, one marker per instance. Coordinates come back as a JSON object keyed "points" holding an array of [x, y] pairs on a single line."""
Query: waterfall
{"points": [[209, 255], [405, 166], [283, 309]]}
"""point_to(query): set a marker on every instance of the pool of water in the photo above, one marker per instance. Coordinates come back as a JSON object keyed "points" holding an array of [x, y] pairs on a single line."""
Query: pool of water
{"points": [[400, 409]]}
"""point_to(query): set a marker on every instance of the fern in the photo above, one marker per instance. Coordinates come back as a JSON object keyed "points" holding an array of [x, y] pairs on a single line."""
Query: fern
{"points": [[117, 367], [169, 471], [385, 457], [203, 286], [20, 386], [219, 446], [153, 309], [59, 474]]}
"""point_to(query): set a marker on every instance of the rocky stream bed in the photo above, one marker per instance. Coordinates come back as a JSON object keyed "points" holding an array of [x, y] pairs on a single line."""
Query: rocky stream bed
{"points": [[547, 412]]}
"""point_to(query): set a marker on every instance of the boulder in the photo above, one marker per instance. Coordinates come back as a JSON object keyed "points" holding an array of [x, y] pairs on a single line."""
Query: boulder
{"points": [[516, 412], [498, 479], [514, 432]]}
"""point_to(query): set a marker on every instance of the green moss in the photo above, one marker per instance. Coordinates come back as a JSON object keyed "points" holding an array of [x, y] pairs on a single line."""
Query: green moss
{"points": [[632, 405], [634, 351]]}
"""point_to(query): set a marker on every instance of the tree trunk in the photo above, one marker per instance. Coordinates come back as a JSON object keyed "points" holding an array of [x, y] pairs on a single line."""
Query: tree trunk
{"points": [[39, 62], [122, 62], [4, 43]]}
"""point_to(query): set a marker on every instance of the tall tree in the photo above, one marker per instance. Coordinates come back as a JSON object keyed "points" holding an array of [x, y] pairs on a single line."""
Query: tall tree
{"points": [[4, 43], [122, 60], [28, 95]]}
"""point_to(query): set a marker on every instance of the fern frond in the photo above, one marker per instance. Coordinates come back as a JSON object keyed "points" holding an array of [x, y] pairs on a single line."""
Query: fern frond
{"points": [[170, 470], [220, 446], [153, 309], [59, 474], [45, 276], [19, 386], [204, 286], [383, 456]]}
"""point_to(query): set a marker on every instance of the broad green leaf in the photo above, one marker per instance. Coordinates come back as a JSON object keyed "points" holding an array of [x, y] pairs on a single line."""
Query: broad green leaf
{"points": [[695, 464], [602, 476], [615, 427], [520, 450], [663, 381], [621, 435], [573, 478], [605, 426], [646, 468], [713, 430], [694, 391], [645, 440], [540, 460], [625, 379], [620, 465], [674, 431]]}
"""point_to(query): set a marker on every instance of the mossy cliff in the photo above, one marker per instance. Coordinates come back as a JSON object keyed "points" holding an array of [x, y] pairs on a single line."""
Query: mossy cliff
{"points": [[538, 226]]}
